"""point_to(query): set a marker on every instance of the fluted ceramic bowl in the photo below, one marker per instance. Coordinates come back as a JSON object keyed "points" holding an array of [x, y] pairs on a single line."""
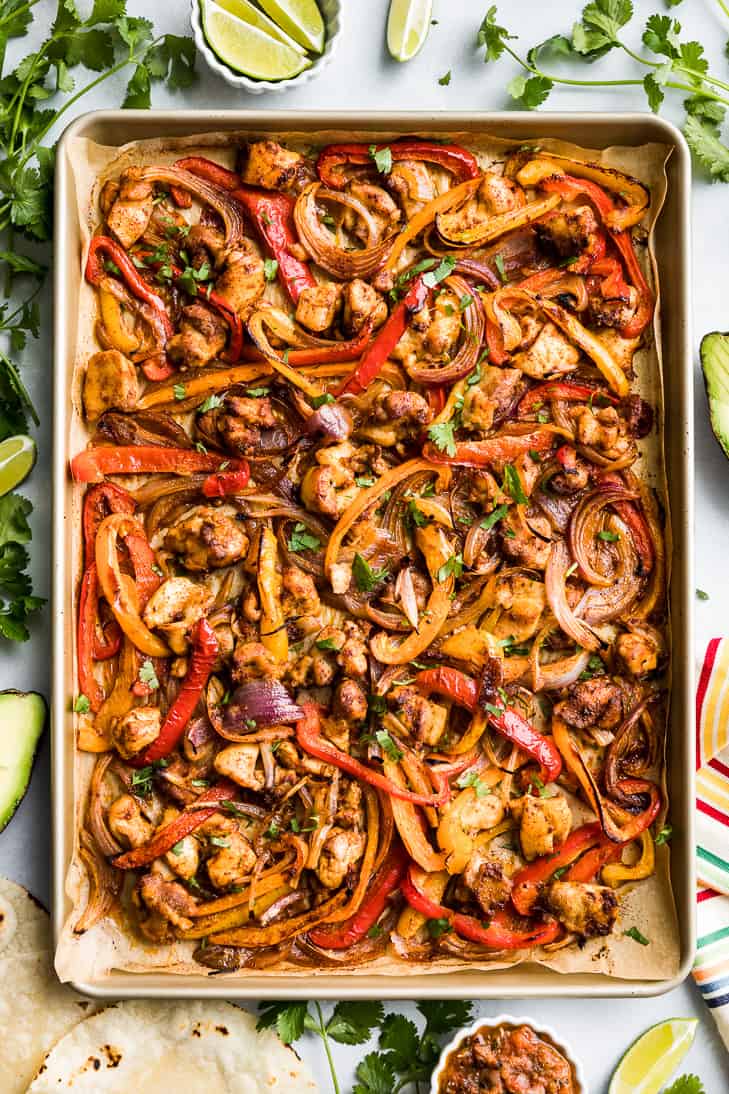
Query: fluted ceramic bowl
{"points": [[510, 1020], [332, 12]]}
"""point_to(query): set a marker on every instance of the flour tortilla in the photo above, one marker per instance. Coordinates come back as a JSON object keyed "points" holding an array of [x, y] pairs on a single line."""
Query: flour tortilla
{"points": [[35, 1010], [196, 1047]]}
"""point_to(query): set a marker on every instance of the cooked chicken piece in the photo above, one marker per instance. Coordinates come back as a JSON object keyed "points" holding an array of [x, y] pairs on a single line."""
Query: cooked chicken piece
{"points": [[492, 396], [127, 822], [251, 661], [604, 430], [274, 167], [231, 864], [132, 207], [424, 719], [412, 185], [288, 756], [173, 609], [169, 899], [572, 479], [342, 849], [545, 824], [552, 354], [110, 383], [397, 416], [638, 652], [596, 703], [570, 232], [522, 600], [587, 910], [611, 313], [330, 487], [184, 858], [499, 194], [201, 338], [207, 537], [239, 422], [242, 282], [444, 328], [530, 543], [136, 730], [300, 598], [350, 701], [204, 243], [488, 875], [318, 305], [361, 301], [350, 812], [352, 657], [621, 349], [238, 762], [384, 213]]}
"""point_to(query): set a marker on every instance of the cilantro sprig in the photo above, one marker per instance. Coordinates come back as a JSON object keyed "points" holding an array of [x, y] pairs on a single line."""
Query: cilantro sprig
{"points": [[667, 62]]}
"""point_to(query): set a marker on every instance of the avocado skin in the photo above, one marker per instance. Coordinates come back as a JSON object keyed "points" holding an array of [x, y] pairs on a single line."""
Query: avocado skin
{"points": [[23, 718], [714, 354]]}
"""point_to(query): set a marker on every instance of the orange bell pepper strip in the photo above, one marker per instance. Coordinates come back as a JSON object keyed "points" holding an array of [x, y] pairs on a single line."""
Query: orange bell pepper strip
{"points": [[504, 448], [385, 884]]}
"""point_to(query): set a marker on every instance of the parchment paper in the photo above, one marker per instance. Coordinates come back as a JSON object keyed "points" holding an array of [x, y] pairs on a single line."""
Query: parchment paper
{"points": [[647, 905]]}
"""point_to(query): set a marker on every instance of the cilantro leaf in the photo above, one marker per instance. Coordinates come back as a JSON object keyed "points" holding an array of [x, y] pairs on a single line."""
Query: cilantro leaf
{"points": [[352, 1022], [512, 485], [81, 705], [302, 540], [494, 517], [270, 269], [147, 675], [637, 936], [654, 92], [661, 35], [14, 527], [375, 1075], [387, 745], [139, 90], [444, 269], [365, 576], [445, 79], [287, 1018], [530, 92], [399, 1037], [443, 1016], [452, 566], [601, 23], [686, 1084], [708, 149], [382, 158], [492, 36], [442, 436]]}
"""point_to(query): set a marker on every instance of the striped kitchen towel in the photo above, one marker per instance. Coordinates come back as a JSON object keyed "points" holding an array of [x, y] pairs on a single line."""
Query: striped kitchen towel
{"points": [[711, 970]]}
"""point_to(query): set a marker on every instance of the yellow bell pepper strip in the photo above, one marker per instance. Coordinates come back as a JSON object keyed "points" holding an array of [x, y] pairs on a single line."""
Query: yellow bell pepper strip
{"points": [[279, 932], [111, 317], [387, 882], [96, 736], [308, 736], [203, 384], [616, 873], [215, 915], [273, 625], [588, 343], [497, 225], [120, 591], [410, 825], [500, 934], [456, 836], [434, 886], [447, 200], [634, 193]]}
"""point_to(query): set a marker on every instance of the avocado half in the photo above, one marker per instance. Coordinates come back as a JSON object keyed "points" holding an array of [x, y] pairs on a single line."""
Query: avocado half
{"points": [[715, 364], [23, 717]]}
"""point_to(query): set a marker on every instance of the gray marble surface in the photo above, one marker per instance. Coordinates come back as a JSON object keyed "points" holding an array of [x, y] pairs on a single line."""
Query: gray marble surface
{"points": [[362, 76]]}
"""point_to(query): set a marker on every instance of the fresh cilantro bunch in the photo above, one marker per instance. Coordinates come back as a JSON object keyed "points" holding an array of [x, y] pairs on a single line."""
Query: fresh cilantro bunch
{"points": [[686, 1084], [16, 599], [668, 61], [405, 1057]]}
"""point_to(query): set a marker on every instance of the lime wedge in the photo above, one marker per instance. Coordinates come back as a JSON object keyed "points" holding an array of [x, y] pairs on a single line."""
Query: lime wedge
{"points": [[246, 48], [299, 18], [651, 1060], [248, 13], [407, 27], [17, 457]]}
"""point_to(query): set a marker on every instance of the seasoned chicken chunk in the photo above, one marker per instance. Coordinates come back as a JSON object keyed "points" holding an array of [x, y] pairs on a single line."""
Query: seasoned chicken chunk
{"points": [[238, 762], [398, 416], [232, 862], [136, 730], [169, 899], [174, 607], [620, 349], [588, 910], [638, 652], [412, 185], [342, 849], [127, 822], [604, 430], [350, 701], [274, 167], [527, 542], [551, 354], [570, 232], [384, 214], [522, 600], [300, 595], [251, 661], [132, 207], [184, 857], [361, 301], [488, 875], [545, 824], [318, 305], [492, 396], [329, 486], [110, 383], [425, 719], [596, 703], [201, 338], [207, 537], [500, 194], [242, 282]]}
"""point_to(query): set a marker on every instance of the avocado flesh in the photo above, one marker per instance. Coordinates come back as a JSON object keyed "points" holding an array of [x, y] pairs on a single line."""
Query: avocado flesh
{"points": [[22, 721], [715, 365]]}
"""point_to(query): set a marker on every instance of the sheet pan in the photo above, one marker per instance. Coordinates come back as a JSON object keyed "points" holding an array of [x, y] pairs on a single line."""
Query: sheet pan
{"points": [[671, 243]]}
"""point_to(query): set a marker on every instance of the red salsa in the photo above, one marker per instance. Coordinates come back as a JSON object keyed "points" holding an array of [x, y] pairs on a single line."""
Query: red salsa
{"points": [[507, 1059]]}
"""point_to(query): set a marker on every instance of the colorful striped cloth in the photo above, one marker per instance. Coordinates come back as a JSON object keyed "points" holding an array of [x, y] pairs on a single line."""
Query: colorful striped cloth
{"points": [[711, 970]]}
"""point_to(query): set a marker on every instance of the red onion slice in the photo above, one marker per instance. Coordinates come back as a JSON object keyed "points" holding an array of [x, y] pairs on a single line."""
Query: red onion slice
{"points": [[554, 580], [263, 702]]}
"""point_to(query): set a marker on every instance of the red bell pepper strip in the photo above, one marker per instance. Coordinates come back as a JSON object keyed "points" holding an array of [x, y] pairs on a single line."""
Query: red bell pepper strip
{"points": [[571, 187], [322, 355], [587, 867], [505, 448], [102, 648], [341, 936], [566, 457], [613, 285], [177, 829], [529, 880], [498, 934], [210, 171], [436, 397], [273, 216], [158, 368], [105, 246], [93, 464], [85, 637], [560, 389], [495, 343], [223, 483], [309, 737], [181, 197], [204, 654], [461, 164], [98, 503], [639, 822], [631, 513], [385, 340], [452, 683]]}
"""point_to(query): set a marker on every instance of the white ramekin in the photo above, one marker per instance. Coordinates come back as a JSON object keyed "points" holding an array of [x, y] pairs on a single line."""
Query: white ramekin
{"points": [[511, 1020], [332, 12]]}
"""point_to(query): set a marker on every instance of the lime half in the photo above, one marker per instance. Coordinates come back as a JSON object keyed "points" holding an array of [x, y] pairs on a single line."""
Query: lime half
{"points": [[407, 27], [651, 1060], [246, 48], [248, 13], [17, 457], [299, 18]]}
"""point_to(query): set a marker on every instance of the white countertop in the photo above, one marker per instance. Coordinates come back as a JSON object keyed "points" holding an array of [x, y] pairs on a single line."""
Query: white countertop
{"points": [[362, 76]]}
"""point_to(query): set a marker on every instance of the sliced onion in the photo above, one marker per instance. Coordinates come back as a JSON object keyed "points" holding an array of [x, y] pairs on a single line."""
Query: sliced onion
{"points": [[599, 605], [554, 581], [624, 758], [265, 702], [106, 843], [474, 324], [559, 674], [583, 529], [331, 419], [297, 900], [319, 242], [104, 884], [405, 592], [229, 210]]}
